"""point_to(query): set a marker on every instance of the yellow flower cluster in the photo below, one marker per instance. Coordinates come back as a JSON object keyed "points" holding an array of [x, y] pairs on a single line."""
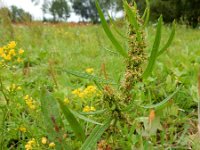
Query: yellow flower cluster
{"points": [[22, 129], [8, 53], [30, 144], [30, 102], [13, 88], [89, 91], [44, 141], [88, 109], [89, 70]]}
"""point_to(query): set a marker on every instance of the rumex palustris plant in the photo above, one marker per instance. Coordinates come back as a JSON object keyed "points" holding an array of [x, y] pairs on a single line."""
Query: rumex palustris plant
{"points": [[117, 101]]}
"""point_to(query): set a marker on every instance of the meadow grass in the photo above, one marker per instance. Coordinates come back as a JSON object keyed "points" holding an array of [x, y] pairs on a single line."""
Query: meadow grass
{"points": [[51, 50]]}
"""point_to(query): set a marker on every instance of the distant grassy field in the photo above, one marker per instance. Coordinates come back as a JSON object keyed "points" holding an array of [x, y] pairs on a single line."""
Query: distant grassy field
{"points": [[51, 51]]}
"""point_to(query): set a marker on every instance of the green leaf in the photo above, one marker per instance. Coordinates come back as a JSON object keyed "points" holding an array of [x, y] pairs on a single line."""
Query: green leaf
{"points": [[52, 119], [144, 14], [94, 113], [84, 118], [99, 86], [96, 134], [74, 124], [154, 51], [115, 28], [132, 16], [147, 13], [109, 33], [89, 77], [169, 42], [147, 17], [156, 106]]}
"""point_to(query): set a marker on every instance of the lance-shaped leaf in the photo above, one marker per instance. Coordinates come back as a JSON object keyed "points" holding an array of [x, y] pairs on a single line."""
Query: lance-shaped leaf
{"points": [[115, 28], [169, 42], [147, 17], [74, 124], [146, 14], [52, 119], [80, 116], [132, 16], [89, 77], [94, 113], [157, 106], [108, 32], [154, 51], [96, 134]]}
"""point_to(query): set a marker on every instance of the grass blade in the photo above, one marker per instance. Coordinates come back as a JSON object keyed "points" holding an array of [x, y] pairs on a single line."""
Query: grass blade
{"points": [[84, 118], [76, 127], [163, 102], [169, 42], [109, 33], [95, 135], [154, 51]]}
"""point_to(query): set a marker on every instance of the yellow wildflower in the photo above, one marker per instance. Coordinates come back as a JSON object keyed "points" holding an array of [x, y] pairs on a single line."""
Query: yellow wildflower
{"points": [[21, 51], [52, 145], [44, 140], [29, 102], [76, 91], [3, 55], [12, 52], [19, 88], [22, 129], [1, 50], [92, 108], [7, 57], [90, 91], [89, 70], [86, 109], [28, 147], [19, 60], [26, 97], [32, 141], [12, 44], [66, 101], [30, 144]]}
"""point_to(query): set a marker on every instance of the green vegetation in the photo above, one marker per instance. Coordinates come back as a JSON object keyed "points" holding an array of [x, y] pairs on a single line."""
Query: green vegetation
{"points": [[68, 86], [68, 48]]}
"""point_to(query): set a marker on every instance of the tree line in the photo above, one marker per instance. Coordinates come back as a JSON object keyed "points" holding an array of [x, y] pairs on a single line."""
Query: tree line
{"points": [[187, 11]]}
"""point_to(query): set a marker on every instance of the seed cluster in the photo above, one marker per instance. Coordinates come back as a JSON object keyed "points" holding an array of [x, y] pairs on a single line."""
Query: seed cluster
{"points": [[136, 57]]}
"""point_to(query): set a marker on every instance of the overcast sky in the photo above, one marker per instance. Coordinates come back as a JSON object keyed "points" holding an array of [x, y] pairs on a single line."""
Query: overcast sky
{"points": [[34, 10]]}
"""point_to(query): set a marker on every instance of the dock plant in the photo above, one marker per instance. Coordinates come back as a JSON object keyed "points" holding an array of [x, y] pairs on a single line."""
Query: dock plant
{"points": [[122, 115], [119, 102]]}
